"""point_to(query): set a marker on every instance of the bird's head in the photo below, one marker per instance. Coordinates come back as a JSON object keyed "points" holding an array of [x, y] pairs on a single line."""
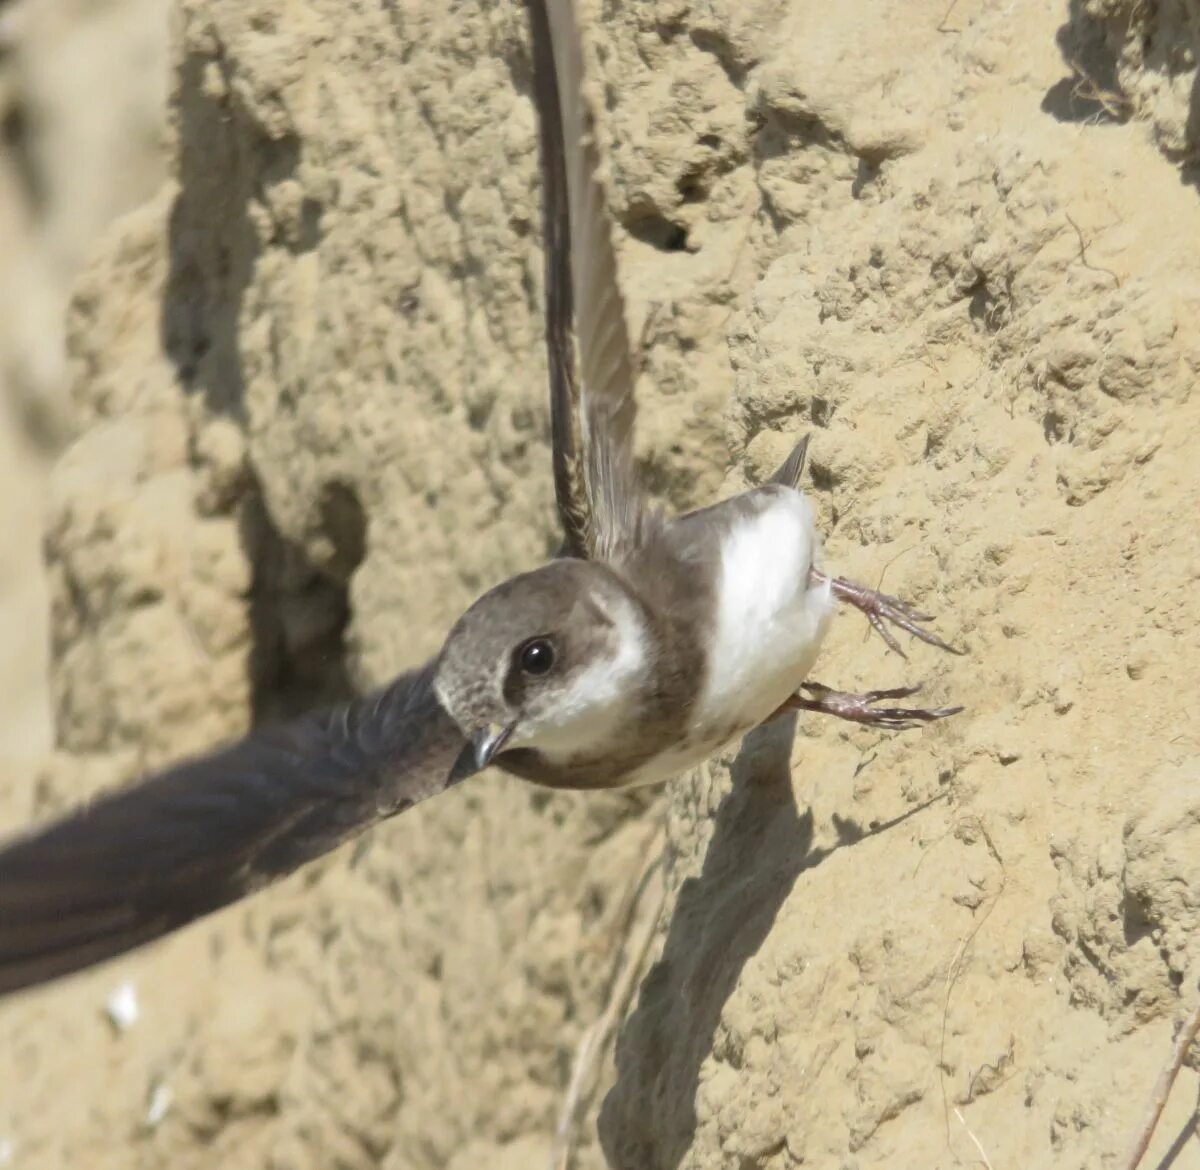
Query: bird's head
{"points": [[549, 661]]}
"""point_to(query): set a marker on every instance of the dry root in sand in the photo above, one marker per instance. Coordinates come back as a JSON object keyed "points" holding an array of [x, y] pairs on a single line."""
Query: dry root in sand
{"points": [[637, 935], [1184, 1039]]}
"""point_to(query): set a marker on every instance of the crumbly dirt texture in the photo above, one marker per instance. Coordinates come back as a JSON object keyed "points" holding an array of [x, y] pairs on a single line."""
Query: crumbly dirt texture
{"points": [[960, 244]]}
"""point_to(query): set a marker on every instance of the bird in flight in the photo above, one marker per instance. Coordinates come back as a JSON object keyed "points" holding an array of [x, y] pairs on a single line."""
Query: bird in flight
{"points": [[651, 643]]}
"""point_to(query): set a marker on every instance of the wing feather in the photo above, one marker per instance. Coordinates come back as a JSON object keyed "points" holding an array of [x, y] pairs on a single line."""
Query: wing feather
{"points": [[570, 483], [607, 407], [145, 860]]}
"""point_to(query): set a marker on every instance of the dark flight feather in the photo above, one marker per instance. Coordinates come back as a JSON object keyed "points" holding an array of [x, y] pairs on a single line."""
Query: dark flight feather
{"points": [[147, 859], [605, 408], [570, 485]]}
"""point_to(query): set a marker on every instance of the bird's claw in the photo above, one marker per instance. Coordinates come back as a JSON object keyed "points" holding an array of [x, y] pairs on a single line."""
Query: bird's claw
{"points": [[881, 608], [860, 708]]}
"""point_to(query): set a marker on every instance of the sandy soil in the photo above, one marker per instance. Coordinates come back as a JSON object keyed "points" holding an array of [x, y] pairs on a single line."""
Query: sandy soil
{"points": [[958, 243]]}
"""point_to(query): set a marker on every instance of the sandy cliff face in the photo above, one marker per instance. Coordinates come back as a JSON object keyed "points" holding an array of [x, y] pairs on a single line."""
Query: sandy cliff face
{"points": [[82, 97], [960, 245]]}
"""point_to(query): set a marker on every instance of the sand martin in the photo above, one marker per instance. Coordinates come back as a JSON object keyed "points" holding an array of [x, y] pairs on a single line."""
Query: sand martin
{"points": [[652, 643]]}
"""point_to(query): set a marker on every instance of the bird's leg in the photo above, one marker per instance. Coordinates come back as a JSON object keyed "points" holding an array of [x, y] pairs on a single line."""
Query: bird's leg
{"points": [[861, 708], [881, 608]]}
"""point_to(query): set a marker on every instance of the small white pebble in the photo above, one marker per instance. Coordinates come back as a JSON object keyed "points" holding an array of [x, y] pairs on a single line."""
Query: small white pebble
{"points": [[122, 1007], [158, 1103], [7, 1150]]}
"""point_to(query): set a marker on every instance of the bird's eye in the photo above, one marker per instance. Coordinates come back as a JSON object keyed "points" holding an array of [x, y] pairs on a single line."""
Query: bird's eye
{"points": [[536, 656]]}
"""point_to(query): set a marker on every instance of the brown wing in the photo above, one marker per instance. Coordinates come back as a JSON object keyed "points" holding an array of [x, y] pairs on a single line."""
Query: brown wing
{"points": [[144, 861], [607, 408], [570, 484]]}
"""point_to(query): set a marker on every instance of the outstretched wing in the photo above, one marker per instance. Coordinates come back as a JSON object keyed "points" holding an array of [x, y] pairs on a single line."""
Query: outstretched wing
{"points": [[570, 483], [145, 860], [607, 408]]}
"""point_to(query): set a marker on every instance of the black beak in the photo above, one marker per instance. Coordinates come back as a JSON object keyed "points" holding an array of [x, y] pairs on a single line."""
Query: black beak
{"points": [[480, 750]]}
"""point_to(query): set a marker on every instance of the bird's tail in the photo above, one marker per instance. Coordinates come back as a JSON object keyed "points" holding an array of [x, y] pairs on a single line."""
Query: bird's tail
{"points": [[792, 468]]}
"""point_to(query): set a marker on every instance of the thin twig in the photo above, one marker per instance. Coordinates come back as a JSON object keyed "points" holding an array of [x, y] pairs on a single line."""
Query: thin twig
{"points": [[955, 969], [1184, 1040], [1083, 258], [1087, 88], [942, 26], [971, 1134], [595, 1040]]}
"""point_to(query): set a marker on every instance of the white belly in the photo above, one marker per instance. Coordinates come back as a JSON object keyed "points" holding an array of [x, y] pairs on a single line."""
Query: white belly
{"points": [[768, 629], [770, 622]]}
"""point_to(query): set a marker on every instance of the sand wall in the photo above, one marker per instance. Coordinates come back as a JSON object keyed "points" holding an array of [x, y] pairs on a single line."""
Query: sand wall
{"points": [[959, 244]]}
